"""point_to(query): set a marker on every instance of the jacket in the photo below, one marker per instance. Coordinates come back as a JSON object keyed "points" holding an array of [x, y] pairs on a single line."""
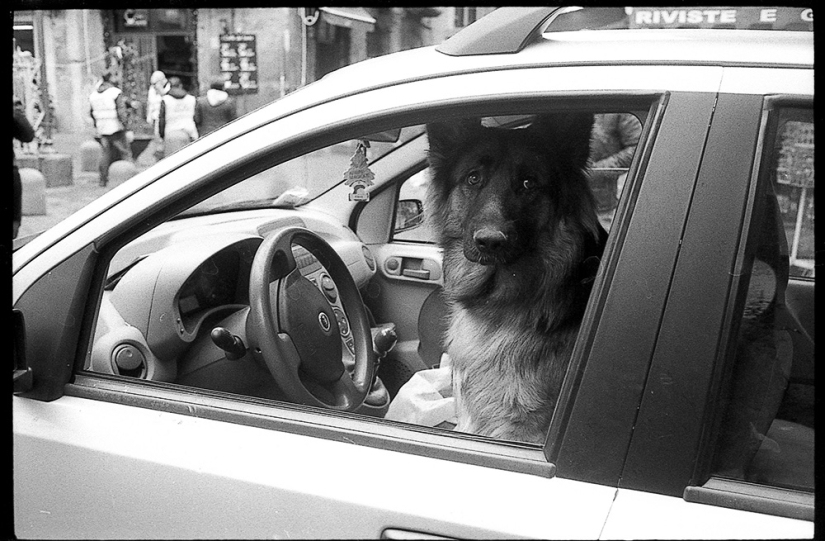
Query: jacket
{"points": [[177, 113], [108, 109], [21, 130], [214, 110]]}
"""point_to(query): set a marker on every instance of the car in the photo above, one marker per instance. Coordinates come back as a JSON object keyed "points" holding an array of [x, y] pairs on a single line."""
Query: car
{"points": [[222, 345]]}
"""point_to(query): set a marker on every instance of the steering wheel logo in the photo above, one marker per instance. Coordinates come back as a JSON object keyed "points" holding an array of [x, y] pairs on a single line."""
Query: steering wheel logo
{"points": [[324, 321]]}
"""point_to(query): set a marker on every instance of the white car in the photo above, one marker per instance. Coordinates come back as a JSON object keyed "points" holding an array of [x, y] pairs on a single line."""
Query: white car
{"points": [[178, 371]]}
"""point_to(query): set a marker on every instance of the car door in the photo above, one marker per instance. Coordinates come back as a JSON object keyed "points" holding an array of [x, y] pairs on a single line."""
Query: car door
{"points": [[725, 429], [106, 455]]}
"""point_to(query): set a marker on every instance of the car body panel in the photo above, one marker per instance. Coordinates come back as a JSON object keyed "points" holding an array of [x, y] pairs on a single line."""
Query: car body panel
{"points": [[228, 480], [642, 515]]}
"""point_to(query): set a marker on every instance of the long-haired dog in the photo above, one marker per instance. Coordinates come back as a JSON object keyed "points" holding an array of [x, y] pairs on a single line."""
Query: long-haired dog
{"points": [[521, 242]]}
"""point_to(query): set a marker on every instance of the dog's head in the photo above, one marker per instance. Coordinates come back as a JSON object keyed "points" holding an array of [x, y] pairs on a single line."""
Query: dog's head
{"points": [[500, 196]]}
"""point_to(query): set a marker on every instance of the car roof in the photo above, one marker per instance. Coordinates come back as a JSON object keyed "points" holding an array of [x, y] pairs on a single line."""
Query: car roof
{"points": [[757, 48]]}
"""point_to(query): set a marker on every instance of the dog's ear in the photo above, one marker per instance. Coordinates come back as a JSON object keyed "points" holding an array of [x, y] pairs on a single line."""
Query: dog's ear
{"points": [[567, 133], [446, 137]]}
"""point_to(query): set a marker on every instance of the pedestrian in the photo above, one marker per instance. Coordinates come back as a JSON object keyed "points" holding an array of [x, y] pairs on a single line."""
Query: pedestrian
{"points": [[158, 87], [614, 140], [176, 121], [108, 110], [215, 109], [23, 132]]}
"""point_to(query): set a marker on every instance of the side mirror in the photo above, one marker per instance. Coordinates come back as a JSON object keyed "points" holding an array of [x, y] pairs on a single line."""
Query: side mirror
{"points": [[409, 214], [21, 373]]}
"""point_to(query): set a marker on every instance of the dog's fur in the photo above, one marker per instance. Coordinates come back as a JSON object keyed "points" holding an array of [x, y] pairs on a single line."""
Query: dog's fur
{"points": [[521, 241]]}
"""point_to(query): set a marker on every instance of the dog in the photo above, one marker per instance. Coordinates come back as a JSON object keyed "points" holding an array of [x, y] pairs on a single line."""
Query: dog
{"points": [[521, 243]]}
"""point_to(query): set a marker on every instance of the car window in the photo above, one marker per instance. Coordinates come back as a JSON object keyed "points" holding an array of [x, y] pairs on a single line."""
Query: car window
{"points": [[794, 186], [613, 144], [304, 178], [767, 431], [191, 303]]}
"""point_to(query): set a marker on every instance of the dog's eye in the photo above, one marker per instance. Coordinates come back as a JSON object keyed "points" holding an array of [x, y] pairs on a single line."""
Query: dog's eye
{"points": [[529, 184], [473, 178]]}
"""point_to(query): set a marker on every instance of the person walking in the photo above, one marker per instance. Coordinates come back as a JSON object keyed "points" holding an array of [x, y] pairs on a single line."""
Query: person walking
{"points": [[614, 140], [108, 110], [22, 131], [214, 109], [158, 87], [176, 121]]}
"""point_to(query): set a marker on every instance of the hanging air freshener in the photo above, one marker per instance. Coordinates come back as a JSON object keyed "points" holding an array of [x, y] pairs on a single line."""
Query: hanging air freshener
{"points": [[358, 176]]}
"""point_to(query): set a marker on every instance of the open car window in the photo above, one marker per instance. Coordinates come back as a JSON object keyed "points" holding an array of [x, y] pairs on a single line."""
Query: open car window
{"points": [[192, 303]]}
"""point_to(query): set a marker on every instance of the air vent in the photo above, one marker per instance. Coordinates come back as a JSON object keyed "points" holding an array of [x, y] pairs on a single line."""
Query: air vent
{"points": [[128, 360]]}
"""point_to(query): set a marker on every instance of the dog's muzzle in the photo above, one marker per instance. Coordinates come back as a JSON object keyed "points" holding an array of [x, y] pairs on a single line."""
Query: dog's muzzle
{"points": [[490, 246]]}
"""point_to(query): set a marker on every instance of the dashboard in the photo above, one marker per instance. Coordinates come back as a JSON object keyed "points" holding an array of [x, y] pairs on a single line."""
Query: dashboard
{"points": [[177, 282]]}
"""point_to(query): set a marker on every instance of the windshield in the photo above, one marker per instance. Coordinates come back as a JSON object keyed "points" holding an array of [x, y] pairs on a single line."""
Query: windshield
{"points": [[302, 179]]}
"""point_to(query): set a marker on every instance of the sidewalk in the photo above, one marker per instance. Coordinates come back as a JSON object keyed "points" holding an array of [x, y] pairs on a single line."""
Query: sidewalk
{"points": [[62, 201]]}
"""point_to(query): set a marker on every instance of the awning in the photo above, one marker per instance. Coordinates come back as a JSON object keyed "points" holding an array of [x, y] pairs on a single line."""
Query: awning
{"points": [[348, 17]]}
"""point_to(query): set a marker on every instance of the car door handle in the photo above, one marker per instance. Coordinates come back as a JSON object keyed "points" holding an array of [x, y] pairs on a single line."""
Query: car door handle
{"points": [[411, 267], [421, 274], [396, 533]]}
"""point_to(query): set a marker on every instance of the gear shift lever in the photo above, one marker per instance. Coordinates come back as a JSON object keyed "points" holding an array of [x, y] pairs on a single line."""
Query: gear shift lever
{"points": [[231, 344], [384, 339]]}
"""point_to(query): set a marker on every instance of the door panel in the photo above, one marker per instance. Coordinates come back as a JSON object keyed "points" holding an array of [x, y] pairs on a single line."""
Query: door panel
{"points": [[137, 472], [407, 276]]}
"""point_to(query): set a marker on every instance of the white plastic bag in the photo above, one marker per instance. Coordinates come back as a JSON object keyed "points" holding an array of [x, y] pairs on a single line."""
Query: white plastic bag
{"points": [[426, 399]]}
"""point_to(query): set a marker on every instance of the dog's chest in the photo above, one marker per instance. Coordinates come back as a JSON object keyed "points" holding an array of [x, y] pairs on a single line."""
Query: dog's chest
{"points": [[503, 362]]}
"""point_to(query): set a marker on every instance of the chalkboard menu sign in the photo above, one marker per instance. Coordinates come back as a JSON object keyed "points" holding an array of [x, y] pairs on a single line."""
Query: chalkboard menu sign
{"points": [[239, 63]]}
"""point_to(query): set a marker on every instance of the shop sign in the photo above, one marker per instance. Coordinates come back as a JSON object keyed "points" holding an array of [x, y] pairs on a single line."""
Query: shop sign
{"points": [[239, 63], [135, 18], [722, 17]]}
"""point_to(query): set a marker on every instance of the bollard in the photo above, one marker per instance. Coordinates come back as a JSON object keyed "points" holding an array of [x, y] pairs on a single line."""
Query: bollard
{"points": [[90, 153], [57, 168], [34, 192], [121, 171], [28, 161]]}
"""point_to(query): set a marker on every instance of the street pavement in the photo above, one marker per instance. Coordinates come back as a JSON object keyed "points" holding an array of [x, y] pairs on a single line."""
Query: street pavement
{"points": [[63, 201]]}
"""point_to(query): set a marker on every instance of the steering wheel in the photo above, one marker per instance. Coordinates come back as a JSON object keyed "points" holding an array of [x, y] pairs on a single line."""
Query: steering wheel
{"points": [[292, 327]]}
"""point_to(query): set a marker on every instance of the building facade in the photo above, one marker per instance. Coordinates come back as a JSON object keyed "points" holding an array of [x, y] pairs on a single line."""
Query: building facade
{"points": [[261, 54]]}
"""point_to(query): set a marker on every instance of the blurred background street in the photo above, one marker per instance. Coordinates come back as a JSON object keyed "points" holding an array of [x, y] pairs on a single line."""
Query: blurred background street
{"points": [[71, 195], [61, 57]]}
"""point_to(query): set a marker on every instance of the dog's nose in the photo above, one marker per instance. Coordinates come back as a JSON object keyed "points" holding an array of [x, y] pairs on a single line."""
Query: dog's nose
{"points": [[490, 241]]}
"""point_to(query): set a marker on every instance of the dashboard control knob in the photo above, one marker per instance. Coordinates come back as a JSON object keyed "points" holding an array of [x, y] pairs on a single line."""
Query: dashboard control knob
{"points": [[329, 287]]}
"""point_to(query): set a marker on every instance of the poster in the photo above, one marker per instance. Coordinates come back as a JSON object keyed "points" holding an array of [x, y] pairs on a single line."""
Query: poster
{"points": [[239, 63]]}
